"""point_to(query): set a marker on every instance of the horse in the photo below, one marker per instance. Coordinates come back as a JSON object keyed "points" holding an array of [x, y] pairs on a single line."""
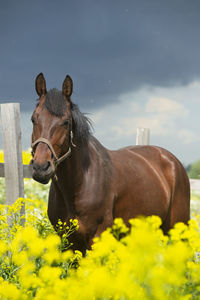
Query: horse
{"points": [[96, 185]]}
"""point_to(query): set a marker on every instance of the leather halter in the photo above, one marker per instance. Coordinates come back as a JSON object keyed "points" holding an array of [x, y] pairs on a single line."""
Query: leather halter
{"points": [[57, 160]]}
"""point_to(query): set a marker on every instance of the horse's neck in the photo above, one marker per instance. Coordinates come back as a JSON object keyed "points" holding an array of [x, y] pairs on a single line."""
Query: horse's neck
{"points": [[70, 173]]}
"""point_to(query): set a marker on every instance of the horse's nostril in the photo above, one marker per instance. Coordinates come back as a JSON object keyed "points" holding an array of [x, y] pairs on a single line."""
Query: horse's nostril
{"points": [[40, 168], [46, 166], [35, 166]]}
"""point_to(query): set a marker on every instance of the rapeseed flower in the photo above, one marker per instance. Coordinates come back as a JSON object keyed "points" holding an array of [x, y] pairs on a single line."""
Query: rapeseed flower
{"points": [[26, 156], [135, 262]]}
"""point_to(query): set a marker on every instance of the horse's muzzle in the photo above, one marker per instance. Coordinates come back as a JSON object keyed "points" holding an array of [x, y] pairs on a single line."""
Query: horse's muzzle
{"points": [[42, 173]]}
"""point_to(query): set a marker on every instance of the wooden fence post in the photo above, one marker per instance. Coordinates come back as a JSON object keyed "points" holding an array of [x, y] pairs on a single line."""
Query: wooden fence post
{"points": [[13, 165], [142, 136]]}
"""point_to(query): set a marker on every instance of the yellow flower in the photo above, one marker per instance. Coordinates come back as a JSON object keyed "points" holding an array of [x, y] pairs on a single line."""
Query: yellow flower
{"points": [[3, 247], [75, 222], [9, 291], [1, 157], [20, 258], [49, 275], [26, 156]]}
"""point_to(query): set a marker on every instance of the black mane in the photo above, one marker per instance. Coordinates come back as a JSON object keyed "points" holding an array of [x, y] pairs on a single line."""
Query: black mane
{"points": [[56, 105]]}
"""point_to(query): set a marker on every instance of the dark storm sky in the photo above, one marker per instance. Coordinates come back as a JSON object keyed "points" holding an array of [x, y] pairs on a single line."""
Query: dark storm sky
{"points": [[108, 47]]}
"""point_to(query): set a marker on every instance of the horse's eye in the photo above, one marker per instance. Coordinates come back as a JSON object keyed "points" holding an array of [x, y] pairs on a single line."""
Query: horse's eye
{"points": [[33, 120], [66, 123]]}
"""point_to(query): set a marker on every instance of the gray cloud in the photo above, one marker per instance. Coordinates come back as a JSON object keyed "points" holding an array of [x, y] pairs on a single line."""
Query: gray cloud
{"points": [[108, 47]]}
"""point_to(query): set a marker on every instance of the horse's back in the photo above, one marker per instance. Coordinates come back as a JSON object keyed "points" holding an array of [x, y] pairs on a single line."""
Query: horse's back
{"points": [[149, 180]]}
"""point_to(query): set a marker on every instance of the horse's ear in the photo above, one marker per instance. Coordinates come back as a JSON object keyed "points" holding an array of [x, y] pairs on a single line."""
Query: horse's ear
{"points": [[40, 85], [67, 87]]}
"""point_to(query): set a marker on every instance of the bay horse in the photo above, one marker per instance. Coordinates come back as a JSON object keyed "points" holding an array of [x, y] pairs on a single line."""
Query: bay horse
{"points": [[94, 184]]}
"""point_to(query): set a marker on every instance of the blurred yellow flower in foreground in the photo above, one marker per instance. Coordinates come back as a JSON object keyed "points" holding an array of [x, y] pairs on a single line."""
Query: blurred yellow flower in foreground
{"points": [[135, 262]]}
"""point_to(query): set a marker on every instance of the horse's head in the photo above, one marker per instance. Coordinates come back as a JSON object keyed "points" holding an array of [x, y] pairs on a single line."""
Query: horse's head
{"points": [[52, 129]]}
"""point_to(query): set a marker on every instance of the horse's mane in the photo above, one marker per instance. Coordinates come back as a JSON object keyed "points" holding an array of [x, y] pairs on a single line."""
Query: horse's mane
{"points": [[56, 105]]}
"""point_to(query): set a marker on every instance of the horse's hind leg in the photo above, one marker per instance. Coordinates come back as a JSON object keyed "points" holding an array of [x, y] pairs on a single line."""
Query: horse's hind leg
{"points": [[179, 210]]}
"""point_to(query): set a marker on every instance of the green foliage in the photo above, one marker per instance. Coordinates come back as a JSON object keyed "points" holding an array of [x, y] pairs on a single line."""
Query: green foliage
{"points": [[32, 190], [3, 191], [194, 171]]}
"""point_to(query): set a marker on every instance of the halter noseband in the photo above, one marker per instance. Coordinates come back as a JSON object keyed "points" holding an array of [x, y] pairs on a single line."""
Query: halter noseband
{"points": [[57, 160]]}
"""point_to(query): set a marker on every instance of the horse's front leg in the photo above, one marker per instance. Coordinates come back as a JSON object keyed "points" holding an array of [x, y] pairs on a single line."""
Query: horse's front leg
{"points": [[56, 207], [103, 221]]}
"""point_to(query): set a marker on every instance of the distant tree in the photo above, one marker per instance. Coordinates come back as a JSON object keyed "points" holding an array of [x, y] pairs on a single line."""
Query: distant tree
{"points": [[194, 170], [187, 168]]}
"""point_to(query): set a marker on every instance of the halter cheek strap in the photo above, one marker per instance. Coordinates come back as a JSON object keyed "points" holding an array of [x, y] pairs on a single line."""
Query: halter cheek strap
{"points": [[57, 160]]}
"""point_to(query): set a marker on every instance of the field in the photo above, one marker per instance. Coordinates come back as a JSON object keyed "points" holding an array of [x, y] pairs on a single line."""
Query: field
{"points": [[144, 264]]}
